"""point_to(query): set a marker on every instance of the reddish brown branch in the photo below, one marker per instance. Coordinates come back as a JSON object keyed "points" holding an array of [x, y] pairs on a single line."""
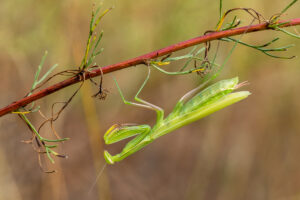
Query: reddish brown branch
{"points": [[141, 59]]}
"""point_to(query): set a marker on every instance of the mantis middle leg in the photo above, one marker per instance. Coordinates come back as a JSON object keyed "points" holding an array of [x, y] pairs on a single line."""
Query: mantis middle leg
{"points": [[142, 103]]}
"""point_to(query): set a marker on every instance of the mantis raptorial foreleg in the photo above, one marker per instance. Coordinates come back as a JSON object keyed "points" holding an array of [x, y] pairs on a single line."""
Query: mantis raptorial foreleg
{"points": [[117, 134], [131, 147]]}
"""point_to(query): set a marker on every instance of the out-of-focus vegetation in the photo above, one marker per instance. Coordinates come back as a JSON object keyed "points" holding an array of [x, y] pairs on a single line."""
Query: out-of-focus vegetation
{"points": [[247, 151]]}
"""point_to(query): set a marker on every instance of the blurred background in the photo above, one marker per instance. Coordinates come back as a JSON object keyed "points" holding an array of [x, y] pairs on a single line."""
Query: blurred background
{"points": [[247, 151]]}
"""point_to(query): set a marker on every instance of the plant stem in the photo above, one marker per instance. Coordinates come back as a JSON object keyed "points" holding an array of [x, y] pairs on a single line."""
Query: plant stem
{"points": [[141, 60]]}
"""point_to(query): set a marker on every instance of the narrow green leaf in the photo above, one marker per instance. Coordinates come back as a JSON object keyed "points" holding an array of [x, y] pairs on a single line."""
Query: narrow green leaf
{"points": [[49, 156], [288, 6], [47, 73], [287, 32]]}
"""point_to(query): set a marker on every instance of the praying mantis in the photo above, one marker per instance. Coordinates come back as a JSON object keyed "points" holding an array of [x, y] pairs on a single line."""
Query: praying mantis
{"points": [[207, 101]]}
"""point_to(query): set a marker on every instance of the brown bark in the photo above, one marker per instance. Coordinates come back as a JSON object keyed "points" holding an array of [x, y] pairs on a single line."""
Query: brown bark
{"points": [[141, 59]]}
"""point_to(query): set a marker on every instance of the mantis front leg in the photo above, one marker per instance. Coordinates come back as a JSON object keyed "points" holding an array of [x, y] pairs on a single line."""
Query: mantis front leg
{"points": [[115, 134]]}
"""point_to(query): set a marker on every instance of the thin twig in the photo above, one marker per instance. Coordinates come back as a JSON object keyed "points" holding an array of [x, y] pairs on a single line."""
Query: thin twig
{"points": [[141, 59]]}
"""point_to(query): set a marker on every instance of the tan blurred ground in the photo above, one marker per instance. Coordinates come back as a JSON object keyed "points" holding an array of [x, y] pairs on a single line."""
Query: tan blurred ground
{"points": [[247, 151]]}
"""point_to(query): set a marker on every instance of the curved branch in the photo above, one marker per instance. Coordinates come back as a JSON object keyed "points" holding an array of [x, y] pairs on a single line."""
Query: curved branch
{"points": [[141, 60]]}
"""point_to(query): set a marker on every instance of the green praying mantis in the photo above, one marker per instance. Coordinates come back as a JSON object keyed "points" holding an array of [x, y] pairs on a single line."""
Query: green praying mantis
{"points": [[207, 101]]}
